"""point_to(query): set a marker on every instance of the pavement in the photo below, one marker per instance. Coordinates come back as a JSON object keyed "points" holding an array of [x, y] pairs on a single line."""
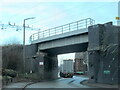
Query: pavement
{"points": [[98, 85], [17, 85], [0, 82]]}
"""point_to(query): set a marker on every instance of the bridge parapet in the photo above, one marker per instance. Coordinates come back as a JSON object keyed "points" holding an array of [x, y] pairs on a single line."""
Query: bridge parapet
{"points": [[84, 23]]}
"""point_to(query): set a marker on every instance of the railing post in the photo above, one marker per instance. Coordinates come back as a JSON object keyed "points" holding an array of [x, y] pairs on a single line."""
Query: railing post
{"points": [[62, 29], [33, 36], [69, 27], [30, 38], [91, 22], [38, 35], [43, 34], [86, 23], [55, 31], [49, 32], [77, 25]]}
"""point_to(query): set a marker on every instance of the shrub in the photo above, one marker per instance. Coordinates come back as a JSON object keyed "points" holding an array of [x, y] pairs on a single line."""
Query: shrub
{"points": [[9, 72]]}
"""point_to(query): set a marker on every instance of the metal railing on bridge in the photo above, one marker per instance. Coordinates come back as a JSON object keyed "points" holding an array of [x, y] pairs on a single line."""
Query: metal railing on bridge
{"points": [[84, 23]]}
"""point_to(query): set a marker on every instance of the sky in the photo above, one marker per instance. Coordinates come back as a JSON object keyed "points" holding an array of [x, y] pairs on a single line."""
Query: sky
{"points": [[50, 14]]}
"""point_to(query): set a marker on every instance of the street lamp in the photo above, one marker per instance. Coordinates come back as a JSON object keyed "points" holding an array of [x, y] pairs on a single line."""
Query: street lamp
{"points": [[24, 41]]}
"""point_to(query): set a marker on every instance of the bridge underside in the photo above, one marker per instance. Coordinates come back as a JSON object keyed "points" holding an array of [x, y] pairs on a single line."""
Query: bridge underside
{"points": [[67, 49], [50, 58]]}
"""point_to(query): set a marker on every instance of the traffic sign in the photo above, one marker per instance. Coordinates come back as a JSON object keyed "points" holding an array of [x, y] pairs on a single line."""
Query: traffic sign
{"points": [[117, 18], [41, 63]]}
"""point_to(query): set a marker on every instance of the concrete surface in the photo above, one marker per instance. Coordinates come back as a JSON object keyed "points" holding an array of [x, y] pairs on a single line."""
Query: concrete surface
{"points": [[103, 53], [58, 83], [17, 85], [98, 85], [75, 82], [61, 83], [63, 35]]}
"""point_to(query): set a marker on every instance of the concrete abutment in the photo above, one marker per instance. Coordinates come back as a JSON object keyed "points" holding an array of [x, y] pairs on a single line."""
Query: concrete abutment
{"points": [[46, 66], [103, 53]]}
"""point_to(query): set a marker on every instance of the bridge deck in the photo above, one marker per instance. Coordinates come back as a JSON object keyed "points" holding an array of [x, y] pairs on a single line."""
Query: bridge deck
{"points": [[66, 30], [64, 35]]}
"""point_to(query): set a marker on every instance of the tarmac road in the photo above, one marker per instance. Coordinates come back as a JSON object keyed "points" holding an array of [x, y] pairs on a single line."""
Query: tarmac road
{"points": [[59, 83]]}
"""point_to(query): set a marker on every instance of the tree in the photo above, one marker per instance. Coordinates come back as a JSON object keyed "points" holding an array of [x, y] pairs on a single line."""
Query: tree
{"points": [[12, 57]]}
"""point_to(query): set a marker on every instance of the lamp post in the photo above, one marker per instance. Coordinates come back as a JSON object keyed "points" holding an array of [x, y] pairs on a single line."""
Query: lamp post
{"points": [[24, 41]]}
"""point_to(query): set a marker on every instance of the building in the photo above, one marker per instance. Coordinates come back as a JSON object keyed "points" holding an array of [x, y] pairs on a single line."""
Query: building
{"points": [[81, 62]]}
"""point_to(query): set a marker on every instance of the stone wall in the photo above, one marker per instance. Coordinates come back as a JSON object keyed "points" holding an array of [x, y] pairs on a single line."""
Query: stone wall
{"points": [[103, 53], [43, 64], [30, 52]]}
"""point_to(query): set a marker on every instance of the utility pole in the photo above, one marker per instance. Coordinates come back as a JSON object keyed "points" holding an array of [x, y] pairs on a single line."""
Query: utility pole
{"points": [[24, 42]]}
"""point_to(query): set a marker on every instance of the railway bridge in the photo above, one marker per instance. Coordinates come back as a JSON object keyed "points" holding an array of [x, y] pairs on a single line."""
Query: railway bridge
{"points": [[77, 36]]}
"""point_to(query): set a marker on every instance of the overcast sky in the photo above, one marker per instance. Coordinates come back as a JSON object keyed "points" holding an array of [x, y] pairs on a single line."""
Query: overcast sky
{"points": [[51, 14]]}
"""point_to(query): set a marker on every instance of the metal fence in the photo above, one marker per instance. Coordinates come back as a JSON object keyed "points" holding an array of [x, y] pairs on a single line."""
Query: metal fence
{"points": [[84, 23]]}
